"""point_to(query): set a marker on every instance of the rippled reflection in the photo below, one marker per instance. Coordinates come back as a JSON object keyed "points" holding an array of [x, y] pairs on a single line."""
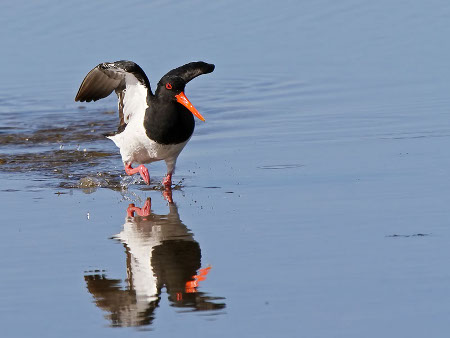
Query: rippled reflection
{"points": [[160, 252]]}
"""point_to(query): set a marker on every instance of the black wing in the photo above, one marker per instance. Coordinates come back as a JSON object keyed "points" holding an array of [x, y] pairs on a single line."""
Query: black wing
{"points": [[119, 76]]}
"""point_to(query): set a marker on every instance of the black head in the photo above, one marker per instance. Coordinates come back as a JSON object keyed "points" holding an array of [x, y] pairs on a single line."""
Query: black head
{"points": [[171, 86]]}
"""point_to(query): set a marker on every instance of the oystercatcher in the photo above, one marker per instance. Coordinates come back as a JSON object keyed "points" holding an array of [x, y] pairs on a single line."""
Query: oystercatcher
{"points": [[153, 127]]}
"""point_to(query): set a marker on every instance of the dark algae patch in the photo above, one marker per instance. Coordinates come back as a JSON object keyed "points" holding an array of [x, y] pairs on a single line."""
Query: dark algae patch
{"points": [[57, 161], [34, 151], [72, 133], [406, 236]]}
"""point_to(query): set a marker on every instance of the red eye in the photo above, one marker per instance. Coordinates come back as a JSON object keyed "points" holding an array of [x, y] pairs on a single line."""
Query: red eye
{"points": [[168, 86]]}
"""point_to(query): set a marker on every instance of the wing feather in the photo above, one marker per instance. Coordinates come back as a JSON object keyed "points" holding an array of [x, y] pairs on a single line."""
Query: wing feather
{"points": [[126, 78], [97, 85]]}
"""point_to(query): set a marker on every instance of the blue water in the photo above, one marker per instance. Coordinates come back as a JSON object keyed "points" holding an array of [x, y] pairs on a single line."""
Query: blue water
{"points": [[316, 191]]}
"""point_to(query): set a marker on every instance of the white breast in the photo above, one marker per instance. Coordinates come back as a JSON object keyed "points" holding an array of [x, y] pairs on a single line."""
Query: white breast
{"points": [[136, 147]]}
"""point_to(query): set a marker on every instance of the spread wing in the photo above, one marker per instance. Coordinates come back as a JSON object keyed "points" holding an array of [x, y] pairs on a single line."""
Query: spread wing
{"points": [[126, 78]]}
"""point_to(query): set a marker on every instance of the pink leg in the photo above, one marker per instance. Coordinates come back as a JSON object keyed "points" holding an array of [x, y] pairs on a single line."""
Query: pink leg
{"points": [[140, 169], [167, 181], [167, 194], [144, 211]]}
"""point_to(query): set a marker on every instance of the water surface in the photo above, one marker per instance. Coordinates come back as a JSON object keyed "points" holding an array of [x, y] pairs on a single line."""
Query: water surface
{"points": [[313, 201]]}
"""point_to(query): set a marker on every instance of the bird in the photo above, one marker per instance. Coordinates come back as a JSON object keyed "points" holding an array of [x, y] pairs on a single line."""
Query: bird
{"points": [[152, 127]]}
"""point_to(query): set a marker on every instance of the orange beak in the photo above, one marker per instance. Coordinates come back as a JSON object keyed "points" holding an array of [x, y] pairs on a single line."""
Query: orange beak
{"points": [[181, 98]]}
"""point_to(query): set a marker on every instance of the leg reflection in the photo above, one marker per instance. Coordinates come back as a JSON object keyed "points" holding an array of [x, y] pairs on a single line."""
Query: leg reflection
{"points": [[144, 211]]}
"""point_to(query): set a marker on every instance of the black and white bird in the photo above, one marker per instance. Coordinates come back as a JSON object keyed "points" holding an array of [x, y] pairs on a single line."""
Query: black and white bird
{"points": [[153, 127]]}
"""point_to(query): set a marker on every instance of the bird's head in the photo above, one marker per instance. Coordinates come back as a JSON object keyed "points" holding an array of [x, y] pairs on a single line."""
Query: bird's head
{"points": [[171, 86]]}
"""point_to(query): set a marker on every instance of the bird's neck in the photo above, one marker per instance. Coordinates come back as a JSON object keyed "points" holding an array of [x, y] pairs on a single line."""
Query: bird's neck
{"points": [[168, 122]]}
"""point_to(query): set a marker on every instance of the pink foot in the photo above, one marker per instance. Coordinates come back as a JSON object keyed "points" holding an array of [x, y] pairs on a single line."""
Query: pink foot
{"points": [[140, 169], [167, 181], [144, 211]]}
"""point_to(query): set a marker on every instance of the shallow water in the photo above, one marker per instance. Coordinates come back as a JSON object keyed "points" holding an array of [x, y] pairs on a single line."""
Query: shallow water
{"points": [[313, 201]]}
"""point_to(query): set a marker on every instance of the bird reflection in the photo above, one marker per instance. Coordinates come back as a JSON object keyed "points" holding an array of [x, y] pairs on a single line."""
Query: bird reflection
{"points": [[161, 252]]}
